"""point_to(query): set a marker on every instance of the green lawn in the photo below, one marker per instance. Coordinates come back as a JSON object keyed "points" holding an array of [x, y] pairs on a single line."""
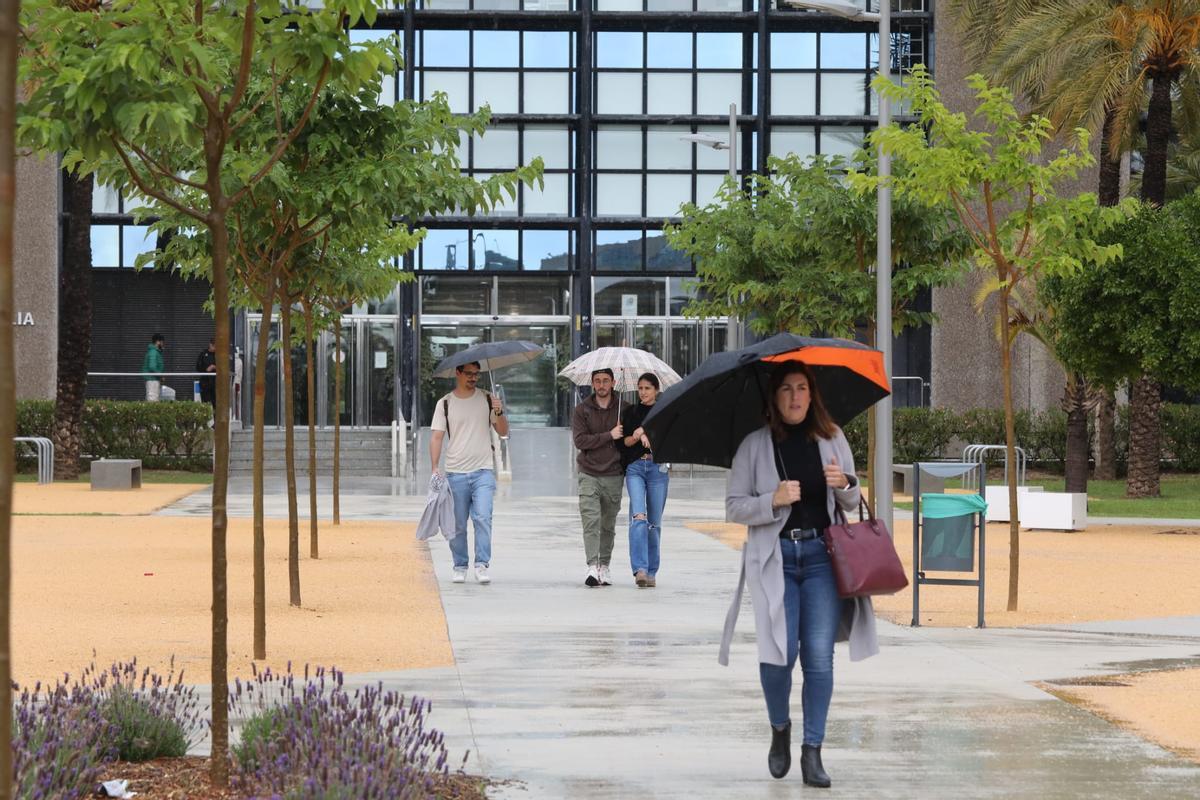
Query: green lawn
{"points": [[148, 476], [1180, 497]]}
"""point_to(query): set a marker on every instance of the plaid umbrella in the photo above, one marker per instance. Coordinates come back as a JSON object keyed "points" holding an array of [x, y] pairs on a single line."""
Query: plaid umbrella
{"points": [[627, 364], [490, 355]]}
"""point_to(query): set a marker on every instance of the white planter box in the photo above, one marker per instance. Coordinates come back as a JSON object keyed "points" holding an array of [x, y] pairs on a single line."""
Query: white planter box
{"points": [[1060, 511], [997, 500]]}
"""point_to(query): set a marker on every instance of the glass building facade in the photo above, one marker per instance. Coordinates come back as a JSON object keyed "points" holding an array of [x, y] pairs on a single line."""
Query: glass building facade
{"points": [[603, 93]]}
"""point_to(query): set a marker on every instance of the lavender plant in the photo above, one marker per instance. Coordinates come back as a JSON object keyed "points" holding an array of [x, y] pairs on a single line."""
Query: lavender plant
{"points": [[152, 715], [319, 741], [60, 741]]}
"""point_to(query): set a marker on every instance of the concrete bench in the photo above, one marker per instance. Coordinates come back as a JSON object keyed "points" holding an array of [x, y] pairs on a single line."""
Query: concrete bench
{"points": [[902, 481], [116, 473]]}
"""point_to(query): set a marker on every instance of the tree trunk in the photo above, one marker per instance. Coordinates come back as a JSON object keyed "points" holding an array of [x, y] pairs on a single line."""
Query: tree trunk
{"points": [[289, 453], [260, 411], [1145, 438], [313, 550], [1110, 162], [74, 327], [1106, 437], [1158, 132], [8, 373], [219, 729], [337, 423], [1076, 467], [1010, 442]]}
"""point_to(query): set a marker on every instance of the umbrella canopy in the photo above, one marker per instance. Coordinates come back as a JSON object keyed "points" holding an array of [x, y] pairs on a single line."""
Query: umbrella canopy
{"points": [[627, 364], [705, 418], [490, 355]]}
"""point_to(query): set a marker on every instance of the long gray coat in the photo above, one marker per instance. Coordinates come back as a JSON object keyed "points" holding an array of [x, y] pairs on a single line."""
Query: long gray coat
{"points": [[753, 479]]}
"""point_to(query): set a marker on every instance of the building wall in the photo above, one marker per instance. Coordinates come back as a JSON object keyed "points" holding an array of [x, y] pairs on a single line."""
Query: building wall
{"points": [[35, 245], [965, 353]]}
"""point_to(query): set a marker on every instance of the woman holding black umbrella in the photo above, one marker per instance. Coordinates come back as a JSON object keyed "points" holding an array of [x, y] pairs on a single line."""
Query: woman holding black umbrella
{"points": [[787, 480]]}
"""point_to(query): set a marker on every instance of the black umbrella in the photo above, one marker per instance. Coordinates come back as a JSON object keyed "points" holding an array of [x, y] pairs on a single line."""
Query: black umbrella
{"points": [[490, 355], [703, 419]]}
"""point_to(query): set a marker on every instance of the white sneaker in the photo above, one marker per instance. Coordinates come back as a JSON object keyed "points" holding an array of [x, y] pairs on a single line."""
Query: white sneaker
{"points": [[593, 576], [460, 575], [481, 574], [605, 575]]}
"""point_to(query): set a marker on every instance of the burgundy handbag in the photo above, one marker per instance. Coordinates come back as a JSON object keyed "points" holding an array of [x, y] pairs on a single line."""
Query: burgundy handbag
{"points": [[864, 558]]}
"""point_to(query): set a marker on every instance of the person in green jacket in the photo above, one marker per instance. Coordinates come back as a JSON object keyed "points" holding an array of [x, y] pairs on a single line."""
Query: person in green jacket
{"points": [[152, 367]]}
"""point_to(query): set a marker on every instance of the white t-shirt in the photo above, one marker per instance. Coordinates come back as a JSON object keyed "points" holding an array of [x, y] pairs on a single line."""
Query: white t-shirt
{"points": [[470, 435]]}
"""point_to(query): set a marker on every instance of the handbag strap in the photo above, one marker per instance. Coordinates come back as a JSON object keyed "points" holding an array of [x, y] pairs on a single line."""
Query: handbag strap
{"points": [[837, 510]]}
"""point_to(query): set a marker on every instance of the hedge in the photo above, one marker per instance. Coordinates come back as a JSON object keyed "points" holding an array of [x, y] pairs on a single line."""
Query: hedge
{"points": [[162, 435], [928, 434]]}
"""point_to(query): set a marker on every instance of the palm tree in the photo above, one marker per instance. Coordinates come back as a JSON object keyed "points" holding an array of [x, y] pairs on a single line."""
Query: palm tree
{"points": [[1099, 63]]}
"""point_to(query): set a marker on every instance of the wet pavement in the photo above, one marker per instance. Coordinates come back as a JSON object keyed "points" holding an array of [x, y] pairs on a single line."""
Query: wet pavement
{"points": [[616, 692]]}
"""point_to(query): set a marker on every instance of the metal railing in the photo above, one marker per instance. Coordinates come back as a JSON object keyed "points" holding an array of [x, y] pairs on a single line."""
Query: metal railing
{"points": [[45, 456], [922, 385], [978, 453]]}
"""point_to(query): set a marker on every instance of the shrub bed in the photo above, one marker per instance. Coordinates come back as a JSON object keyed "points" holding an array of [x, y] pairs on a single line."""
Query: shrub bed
{"points": [[162, 435]]}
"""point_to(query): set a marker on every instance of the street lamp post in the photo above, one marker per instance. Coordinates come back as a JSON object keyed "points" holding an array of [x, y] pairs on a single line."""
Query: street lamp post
{"points": [[716, 143], [881, 491]]}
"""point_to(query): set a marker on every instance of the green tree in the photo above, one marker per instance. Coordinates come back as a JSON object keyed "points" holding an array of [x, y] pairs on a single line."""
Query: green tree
{"points": [[1144, 307], [1001, 185], [156, 96], [9, 12], [796, 252]]}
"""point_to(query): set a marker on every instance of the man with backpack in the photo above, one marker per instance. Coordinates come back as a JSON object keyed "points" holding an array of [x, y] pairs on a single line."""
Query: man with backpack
{"points": [[467, 415]]}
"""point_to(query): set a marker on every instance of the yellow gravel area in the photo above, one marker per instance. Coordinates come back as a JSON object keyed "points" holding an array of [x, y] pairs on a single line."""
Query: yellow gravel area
{"points": [[1117, 572], [126, 586], [78, 498]]}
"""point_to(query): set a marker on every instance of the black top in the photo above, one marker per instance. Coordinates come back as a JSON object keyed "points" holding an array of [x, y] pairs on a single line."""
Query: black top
{"points": [[801, 461], [631, 419]]}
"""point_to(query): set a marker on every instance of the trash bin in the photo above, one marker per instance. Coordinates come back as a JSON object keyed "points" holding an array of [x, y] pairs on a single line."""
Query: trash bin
{"points": [[948, 538]]}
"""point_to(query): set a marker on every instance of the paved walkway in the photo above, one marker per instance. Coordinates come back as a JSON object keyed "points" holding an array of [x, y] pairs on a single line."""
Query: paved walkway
{"points": [[615, 692]]}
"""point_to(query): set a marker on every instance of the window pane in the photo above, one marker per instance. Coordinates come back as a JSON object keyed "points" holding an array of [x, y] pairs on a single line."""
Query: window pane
{"points": [[841, 141], [106, 246], [386, 305], [552, 199], [546, 250], [843, 94], [453, 84], [618, 250], [669, 93], [547, 93], [668, 5], [496, 250], [505, 207], [617, 5], [721, 5], [800, 141], [793, 94], [716, 90], [444, 48], [456, 295], [533, 295], [497, 49], [651, 294], [619, 195], [706, 188], [669, 50], [665, 193], [618, 148], [498, 90], [445, 249], [709, 158], [135, 240], [661, 257], [552, 144], [843, 51], [496, 149], [719, 50], [498, 5], [618, 49], [618, 93], [793, 51], [105, 200], [666, 150], [547, 49]]}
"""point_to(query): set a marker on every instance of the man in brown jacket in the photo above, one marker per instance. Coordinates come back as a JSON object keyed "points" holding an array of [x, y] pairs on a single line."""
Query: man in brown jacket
{"points": [[596, 428]]}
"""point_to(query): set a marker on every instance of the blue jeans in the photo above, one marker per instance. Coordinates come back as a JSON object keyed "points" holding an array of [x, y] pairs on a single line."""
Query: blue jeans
{"points": [[472, 492], [646, 483], [814, 611]]}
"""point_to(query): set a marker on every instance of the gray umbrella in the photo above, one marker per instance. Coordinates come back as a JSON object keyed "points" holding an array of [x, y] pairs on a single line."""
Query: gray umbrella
{"points": [[490, 355]]}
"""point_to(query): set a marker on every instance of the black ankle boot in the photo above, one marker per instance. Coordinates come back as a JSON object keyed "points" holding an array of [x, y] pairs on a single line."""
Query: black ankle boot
{"points": [[779, 760], [810, 767]]}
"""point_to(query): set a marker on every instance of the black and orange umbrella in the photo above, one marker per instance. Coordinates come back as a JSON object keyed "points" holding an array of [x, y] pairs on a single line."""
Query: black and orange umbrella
{"points": [[703, 419]]}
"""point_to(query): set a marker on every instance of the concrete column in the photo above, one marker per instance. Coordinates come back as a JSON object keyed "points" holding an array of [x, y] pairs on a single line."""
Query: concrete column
{"points": [[36, 258]]}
